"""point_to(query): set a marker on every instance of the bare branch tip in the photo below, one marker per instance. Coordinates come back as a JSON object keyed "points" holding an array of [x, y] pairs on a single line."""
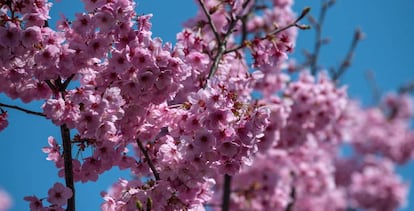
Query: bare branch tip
{"points": [[303, 26], [359, 35], [305, 11]]}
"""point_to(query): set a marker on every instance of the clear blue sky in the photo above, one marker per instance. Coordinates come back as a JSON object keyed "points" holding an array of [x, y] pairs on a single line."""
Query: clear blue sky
{"points": [[387, 50]]}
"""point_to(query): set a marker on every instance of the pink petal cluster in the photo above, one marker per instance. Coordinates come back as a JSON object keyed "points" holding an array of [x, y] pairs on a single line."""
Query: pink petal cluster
{"points": [[375, 188], [386, 129]]}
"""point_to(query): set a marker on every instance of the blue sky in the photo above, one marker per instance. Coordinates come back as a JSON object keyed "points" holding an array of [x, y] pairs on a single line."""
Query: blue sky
{"points": [[387, 50]]}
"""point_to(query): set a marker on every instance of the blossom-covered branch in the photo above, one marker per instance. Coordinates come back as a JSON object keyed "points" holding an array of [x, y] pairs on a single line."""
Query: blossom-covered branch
{"points": [[148, 160]]}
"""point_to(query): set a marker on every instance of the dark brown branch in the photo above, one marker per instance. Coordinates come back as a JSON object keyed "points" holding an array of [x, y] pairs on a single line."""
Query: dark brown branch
{"points": [[292, 200], [67, 81], [148, 160], [222, 39], [277, 31], [216, 61], [348, 58], [51, 85], [220, 42], [295, 23], [212, 205], [318, 37], [60, 87], [210, 21], [222, 48], [67, 157], [22, 109], [406, 88], [225, 206]]}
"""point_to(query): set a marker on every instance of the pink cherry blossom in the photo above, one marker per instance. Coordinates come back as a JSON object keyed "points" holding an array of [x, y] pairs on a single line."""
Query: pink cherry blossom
{"points": [[5, 200], [53, 151], [3, 120], [58, 194]]}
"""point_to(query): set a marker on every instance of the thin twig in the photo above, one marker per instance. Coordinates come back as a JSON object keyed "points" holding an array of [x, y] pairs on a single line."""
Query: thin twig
{"points": [[221, 48], [148, 159], [210, 21], [406, 88], [216, 61], [348, 58], [22, 109], [67, 157], [376, 93], [225, 206], [243, 20], [295, 23], [220, 42], [318, 37]]}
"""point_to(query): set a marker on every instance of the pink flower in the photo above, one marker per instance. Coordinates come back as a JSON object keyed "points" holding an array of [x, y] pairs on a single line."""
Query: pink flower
{"points": [[35, 203], [59, 194], [83, 24], [104, 20], [5, 200], [90, 5], [146, 80], [3, 120], [10, 36], [229, 149], [53, 151], [204, 140], [54, 109], [31, 36], [48, 55]]}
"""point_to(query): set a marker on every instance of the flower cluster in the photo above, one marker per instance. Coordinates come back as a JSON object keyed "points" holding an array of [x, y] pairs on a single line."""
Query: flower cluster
{"points": [[371, 183], [57, 197], [386, 129]]}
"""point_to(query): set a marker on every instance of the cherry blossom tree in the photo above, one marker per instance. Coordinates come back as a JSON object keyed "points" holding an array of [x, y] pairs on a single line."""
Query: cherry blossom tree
{"points": [[223, 118]]}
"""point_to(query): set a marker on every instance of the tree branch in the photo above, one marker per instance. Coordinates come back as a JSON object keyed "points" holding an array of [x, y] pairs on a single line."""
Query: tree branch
{"points": [[60, 87], [67, 81], [293, 198], [295, 23], [148, 159], [318, 37], [221, 48], [225, 206], [376, 92], [406, 88], [67, 157], [210, 21], [22, 109], [348, 58]]}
